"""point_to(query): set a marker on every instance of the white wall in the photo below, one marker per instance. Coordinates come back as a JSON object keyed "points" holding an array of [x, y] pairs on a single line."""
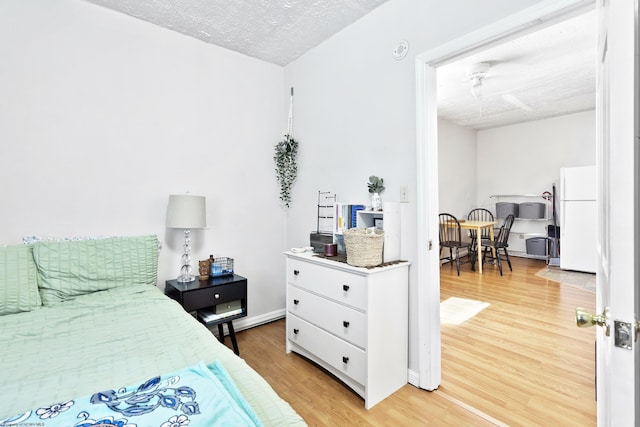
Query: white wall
{"points": [[526, 159], [531, 154], [355, 111], [519, 159], [457, 168], [103, 116]]}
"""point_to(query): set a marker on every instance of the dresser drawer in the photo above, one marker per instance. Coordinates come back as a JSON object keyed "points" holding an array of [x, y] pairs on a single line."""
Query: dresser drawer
{"points": [[343, 356], [342, 321], [341, 286], [212, 295]]}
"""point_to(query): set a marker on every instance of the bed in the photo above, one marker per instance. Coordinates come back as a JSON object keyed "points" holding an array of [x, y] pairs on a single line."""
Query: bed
{"points": [[95, 329]]}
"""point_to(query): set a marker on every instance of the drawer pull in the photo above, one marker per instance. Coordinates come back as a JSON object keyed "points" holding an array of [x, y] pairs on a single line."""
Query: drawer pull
{"points": [[345, 359], [345, 323], [296, 272], [345, 288], [295, 331], [295, 301], [216, 296]]}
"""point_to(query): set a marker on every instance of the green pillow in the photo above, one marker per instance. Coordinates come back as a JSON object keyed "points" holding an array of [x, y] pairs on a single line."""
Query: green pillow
{"points": [[18, 280], [68, 269]]}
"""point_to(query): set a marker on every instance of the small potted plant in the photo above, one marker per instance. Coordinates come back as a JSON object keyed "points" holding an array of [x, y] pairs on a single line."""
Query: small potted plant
{"points": [[376, 186]]}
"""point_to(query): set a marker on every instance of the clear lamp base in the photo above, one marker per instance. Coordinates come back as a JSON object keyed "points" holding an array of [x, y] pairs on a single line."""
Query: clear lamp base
{"points": [[185, 271], [185, 279]]}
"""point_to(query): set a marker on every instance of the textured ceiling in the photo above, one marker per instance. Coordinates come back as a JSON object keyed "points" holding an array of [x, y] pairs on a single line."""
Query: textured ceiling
{"points": [[276, 31], [541, 75]]}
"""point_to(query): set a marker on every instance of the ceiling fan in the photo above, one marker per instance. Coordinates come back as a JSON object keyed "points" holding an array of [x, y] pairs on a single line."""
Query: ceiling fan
{"points": [[477, 72]]}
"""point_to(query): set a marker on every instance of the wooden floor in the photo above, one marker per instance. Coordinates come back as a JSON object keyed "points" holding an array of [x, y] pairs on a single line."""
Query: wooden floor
{"points": [[520, 362]]}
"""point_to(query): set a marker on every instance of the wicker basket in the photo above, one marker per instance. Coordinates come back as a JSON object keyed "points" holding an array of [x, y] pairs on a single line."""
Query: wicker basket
{"points": [[364, 246]]}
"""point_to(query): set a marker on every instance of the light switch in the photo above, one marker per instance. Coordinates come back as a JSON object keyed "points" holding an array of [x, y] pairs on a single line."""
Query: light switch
{"points": [[404, 194]]}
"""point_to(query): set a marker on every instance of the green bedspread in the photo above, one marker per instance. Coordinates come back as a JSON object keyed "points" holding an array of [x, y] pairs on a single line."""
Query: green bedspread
{"points": [[109, 339]]}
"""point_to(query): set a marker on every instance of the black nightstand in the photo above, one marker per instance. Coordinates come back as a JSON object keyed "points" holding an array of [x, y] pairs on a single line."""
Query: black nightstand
{"points": [[223, 298]]}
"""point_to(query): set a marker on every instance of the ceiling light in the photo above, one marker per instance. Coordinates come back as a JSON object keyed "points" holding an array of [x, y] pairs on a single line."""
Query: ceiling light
{"points": [[476, 73]]}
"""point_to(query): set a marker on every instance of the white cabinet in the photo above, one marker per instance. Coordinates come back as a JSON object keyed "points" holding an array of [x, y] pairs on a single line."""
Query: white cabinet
{"points": [[352, 321]]}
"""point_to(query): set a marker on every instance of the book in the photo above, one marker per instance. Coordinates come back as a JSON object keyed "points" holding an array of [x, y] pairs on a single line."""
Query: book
{"points": [[354, 214], [346, 216], [208, 316]]}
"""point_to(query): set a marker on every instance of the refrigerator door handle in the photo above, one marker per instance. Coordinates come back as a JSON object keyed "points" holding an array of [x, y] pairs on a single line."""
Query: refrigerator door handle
{"points": [[563, 228]]}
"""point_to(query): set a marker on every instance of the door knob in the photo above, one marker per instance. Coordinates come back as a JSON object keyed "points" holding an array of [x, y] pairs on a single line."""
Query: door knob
{"points": [[585, 318]]}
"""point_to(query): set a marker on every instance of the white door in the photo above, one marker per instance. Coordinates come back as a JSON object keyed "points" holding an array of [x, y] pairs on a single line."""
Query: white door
{"points": [[617, 366]]}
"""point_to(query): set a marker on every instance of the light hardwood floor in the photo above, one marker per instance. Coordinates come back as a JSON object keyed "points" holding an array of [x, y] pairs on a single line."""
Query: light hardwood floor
{"points": [[520, 362]]}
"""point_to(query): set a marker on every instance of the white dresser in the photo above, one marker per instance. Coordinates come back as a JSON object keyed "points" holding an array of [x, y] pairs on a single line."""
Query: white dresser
{"points": [[351, 321]]}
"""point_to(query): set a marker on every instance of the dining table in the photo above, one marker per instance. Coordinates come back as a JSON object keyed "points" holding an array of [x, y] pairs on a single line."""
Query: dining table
{"points": [[478, 226]]}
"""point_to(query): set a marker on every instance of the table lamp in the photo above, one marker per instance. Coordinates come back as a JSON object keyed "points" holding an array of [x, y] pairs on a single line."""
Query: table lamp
{"points": [[186, 211]]}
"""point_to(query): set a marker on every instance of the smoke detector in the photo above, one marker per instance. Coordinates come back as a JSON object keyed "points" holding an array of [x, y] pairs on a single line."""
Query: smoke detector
{"points": [[401, 49]]}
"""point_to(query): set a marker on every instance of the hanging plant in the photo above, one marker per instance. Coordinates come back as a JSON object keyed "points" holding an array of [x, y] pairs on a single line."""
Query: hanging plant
{"points": [[285, 158], [286, 167]]}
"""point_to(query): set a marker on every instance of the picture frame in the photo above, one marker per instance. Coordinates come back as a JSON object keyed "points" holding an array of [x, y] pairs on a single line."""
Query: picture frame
{"points": [[378, 223]]}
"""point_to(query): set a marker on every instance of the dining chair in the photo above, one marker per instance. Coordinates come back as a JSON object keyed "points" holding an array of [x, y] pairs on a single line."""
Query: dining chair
{"points": [[451, 237], [501, 242], [479, 214]]}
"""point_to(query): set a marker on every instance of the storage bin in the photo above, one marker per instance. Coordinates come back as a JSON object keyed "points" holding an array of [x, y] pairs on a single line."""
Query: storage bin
{"points": [[532, 210], [503, 209], [537, 246]]}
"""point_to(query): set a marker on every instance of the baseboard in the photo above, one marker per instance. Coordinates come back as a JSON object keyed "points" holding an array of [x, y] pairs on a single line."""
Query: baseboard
{"points": [[253, 321], [413, 378]]}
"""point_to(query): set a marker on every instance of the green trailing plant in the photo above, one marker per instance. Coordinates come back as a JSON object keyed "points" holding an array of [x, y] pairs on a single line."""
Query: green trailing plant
{"points": [[286, 168], [375, 184]]}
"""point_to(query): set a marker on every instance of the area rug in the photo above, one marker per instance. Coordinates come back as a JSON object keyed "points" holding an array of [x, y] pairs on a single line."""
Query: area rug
{"points": [[586, 281], [455, 311]]}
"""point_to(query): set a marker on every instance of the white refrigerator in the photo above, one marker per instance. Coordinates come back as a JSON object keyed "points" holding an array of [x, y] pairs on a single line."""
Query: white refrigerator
{"points": [[578, 219]]}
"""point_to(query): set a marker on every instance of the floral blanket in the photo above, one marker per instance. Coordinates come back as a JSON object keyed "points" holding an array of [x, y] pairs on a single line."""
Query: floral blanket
{"points": [[200, 395]]}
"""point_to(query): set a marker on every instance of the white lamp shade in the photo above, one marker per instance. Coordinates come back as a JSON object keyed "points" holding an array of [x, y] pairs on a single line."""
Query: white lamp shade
{"points": [[186, 211]]}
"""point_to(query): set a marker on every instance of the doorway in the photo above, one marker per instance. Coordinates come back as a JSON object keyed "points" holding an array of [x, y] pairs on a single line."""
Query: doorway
{"points": [[429, 336]]}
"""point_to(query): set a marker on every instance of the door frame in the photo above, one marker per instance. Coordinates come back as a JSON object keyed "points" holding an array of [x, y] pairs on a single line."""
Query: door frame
{"points": [[543, 14]]}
